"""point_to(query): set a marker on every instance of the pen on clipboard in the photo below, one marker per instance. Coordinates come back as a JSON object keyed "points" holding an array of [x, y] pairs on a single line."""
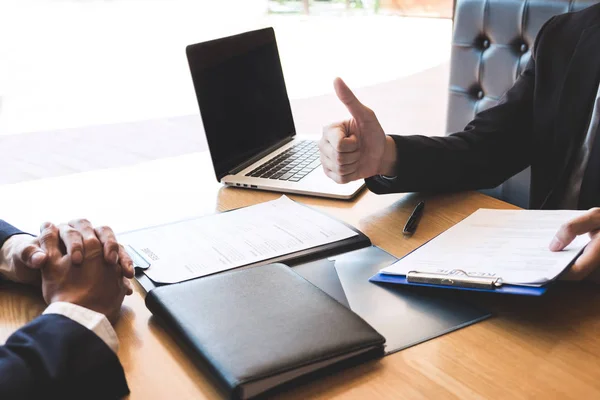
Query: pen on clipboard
{"points": [[413, 220]]}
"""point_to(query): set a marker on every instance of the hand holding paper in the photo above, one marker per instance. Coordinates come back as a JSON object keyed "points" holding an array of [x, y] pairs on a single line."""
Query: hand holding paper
{"points": [[507, 244], [589, 261]]}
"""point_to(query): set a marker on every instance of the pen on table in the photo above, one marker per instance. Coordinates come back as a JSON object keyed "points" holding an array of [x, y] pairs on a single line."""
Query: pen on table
{"points": [[413, 220]]}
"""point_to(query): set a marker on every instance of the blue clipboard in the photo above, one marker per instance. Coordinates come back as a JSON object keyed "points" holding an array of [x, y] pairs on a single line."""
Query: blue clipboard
{"points": [[504, 289]]}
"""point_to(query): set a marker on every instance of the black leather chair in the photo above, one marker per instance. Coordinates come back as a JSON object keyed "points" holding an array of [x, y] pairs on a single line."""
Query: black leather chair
{"points": [[490, 46]]}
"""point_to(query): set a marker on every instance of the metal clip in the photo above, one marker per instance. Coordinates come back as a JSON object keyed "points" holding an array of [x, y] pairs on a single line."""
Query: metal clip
{"points": [[455, 278]]}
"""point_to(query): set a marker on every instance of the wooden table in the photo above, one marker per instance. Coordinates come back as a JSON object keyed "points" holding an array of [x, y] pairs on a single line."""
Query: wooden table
{"points": [[533, 348]]}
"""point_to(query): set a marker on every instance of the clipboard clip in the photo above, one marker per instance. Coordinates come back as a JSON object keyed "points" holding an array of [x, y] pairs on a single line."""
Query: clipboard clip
{"points": [[455, 278]]}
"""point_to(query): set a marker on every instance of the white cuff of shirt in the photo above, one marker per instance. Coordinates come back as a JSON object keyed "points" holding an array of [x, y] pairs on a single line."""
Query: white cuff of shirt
{"points": [[388, 178], [92, 320]]}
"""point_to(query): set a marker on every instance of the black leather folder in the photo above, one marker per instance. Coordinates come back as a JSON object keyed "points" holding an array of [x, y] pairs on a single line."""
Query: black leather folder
{"points": [[405, 316], [260, 327]]}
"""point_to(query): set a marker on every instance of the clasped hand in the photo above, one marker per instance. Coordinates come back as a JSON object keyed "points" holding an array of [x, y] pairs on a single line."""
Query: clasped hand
{"points": [[73, 262]]}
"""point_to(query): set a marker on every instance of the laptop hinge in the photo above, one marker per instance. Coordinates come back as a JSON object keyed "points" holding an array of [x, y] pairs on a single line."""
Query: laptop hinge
{"points": [[260, 155]]}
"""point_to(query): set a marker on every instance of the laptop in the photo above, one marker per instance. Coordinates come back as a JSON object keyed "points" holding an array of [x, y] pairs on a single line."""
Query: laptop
{"points": [[248, 121]]}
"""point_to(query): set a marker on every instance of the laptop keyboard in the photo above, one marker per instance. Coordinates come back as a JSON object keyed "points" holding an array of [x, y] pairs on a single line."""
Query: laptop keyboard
{"points": [[292, 165]]}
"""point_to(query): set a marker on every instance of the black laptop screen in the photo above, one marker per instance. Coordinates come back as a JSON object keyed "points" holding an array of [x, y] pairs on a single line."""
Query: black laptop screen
{"points": [[242, 96]]}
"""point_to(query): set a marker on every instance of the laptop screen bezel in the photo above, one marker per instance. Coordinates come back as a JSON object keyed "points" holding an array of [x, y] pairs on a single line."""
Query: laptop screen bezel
{"points": [[193, 53]]}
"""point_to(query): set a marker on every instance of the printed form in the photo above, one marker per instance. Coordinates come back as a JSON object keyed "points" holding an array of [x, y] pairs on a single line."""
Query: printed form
{"points": [[202, 246], [507, 244]]}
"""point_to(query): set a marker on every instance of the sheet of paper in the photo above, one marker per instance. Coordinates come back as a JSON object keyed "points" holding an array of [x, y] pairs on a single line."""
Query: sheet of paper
{"points": [[203, 246], [510, 244]]}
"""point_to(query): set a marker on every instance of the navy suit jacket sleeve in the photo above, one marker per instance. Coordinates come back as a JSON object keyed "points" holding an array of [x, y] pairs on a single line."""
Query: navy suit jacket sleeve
{"points": [[473, 159], [6, 231], [496, 145], [54, 357]]}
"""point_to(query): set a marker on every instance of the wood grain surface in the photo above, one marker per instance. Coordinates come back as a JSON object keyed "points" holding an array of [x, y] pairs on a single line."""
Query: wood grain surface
{"points": [[532, 348]]}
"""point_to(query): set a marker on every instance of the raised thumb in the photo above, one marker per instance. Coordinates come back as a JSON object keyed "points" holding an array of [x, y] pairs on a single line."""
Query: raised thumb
{"points": [[343, 92]]}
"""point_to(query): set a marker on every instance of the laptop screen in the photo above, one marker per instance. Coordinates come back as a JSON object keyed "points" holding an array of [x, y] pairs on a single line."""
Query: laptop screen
{"points": [[242, 96]]}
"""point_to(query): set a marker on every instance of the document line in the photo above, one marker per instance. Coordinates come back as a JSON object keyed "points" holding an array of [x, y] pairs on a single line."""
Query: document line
{"points": [[204, 246]]}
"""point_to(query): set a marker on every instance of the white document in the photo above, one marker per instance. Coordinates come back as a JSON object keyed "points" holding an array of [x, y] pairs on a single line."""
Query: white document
{"points": [[507, 244], [203, 246]]}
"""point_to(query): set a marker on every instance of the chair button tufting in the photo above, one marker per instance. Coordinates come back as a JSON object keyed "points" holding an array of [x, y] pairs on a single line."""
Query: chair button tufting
{"points": [[480, 94], [523, 48], [485, 43]]}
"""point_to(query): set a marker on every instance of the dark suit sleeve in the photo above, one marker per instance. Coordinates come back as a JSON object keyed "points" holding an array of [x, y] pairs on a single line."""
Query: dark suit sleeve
{"points": [[6, 231], [493, 147], [54, 357]]}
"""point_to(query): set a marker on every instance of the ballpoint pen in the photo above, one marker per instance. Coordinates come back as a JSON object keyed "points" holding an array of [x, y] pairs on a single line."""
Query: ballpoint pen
{"points": [[413, 220]]}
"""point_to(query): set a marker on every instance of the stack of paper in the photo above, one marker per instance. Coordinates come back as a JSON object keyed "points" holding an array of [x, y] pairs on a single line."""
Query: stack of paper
{"points": [[198, 247], [507, 244]]}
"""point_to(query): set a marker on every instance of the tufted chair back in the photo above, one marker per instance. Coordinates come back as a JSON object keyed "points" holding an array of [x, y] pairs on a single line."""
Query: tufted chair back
{"points": [[490, 46]]}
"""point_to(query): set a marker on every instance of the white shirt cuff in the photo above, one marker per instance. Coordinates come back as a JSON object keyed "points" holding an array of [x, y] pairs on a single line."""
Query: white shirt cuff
{"points": [[388, 178], [94, 321]]}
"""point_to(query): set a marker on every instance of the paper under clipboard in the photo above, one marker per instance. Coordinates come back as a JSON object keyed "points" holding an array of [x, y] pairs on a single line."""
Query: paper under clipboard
{"points": [[501, 251]]}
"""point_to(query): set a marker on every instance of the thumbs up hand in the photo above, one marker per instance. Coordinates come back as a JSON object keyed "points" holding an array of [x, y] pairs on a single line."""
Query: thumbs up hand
{"points": [[356, 148]]}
